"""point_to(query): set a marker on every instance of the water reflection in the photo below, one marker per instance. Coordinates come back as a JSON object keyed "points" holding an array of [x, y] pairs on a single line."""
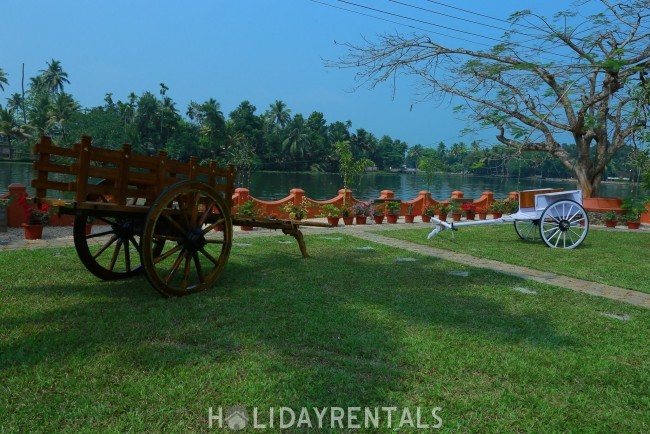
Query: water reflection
{"points": [[320, 186]]}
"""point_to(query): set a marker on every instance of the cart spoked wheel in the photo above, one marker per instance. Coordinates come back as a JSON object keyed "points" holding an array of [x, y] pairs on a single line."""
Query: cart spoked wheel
{"points": [[564, 224], [112, 250], [193, 221], [528, 230]]}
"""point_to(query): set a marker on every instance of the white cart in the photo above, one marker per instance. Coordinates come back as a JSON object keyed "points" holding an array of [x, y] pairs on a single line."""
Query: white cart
{"points": [[555, 216]]}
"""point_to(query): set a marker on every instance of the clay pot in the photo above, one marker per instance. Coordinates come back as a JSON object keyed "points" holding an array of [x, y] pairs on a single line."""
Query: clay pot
{"points": [[33, 232], [333, 221], [633, 225], [611, 223], [348, 220], [392, 218], [379, 219], [409, 218], [246, 228], [426, 218], [482, 215]]}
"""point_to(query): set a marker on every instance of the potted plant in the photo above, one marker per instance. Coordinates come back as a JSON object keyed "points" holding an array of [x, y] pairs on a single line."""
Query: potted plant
{"points": [[455, 210], [510, 206], [378, 213], [296, 212], [392, 211], [331, 213], [347, 214], [247, 209], [361, 212], [409, 217], [496, 208], [632, 219], [482, 213], [428, 211], [470, 210], [36, 216], [634, 207], [610, 218], [442, 209]]}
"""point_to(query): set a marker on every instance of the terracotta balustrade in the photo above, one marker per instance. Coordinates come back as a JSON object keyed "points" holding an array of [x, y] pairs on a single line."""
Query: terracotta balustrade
{"points": [[16, 214]]}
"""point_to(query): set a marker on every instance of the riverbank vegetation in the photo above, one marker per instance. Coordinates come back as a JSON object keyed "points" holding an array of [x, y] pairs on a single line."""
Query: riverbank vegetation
{"points": [[279, 331], [273, 138]]}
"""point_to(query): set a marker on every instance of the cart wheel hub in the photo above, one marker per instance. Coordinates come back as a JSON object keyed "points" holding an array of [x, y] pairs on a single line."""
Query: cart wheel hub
{"points": [[564, 225], [123, 229], [194, 241]]}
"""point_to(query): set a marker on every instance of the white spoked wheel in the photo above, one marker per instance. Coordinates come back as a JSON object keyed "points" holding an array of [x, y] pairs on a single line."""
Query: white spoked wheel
{"points": [[564, 224], [528, 230]]}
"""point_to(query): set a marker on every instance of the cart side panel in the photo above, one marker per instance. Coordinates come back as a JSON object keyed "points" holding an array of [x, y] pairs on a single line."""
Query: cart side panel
{"points": [[122, 174]]}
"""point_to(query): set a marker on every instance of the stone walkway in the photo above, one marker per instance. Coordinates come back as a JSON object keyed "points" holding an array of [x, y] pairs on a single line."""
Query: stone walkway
{"points": [[62, 237]]}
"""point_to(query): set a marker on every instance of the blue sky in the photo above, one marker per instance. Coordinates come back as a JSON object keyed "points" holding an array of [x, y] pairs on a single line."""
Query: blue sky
{"points": [[234, 50]]}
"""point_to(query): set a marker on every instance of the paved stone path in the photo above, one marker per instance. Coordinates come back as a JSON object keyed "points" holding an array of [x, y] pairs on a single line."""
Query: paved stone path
{"points": [[62, 237]]}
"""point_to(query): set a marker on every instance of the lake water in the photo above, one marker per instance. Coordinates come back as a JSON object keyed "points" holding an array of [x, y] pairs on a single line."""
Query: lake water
{"points": [[320, 186]]}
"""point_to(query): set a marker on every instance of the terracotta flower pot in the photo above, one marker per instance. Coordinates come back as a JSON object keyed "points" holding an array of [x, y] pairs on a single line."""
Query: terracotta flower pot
{"points": [[442, 216], [334, 221], [89, 228], [246, 228], [633, 225], [482, 215], [361, 219], [497, 215], [611, 223], [33, 232], [409, 218], [379, 219], [470, 215], [348, 220], [392, 218], [456, 216], [426, 218]]}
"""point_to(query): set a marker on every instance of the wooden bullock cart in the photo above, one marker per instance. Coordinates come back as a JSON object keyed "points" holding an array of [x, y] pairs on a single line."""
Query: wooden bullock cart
{"points": [[167, 218]]}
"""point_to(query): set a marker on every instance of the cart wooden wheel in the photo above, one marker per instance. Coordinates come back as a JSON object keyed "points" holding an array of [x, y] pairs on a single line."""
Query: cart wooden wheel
{"points": [[191, 217], [564, 224], [112, 251], [528, 230]]}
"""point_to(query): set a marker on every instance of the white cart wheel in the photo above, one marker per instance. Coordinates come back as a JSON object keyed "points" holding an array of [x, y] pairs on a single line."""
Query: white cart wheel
{"points": [[528, 230], [564, 224]]}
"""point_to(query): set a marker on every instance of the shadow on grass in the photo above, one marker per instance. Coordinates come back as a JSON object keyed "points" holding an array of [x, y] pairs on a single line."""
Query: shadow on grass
{"points": [[348, 325]]}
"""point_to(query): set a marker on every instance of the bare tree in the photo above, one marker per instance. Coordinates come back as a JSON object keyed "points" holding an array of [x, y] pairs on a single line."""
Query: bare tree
{"points": [[549, 80]]}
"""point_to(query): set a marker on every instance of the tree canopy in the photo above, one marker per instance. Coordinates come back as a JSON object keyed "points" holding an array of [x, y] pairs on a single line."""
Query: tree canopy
{"points": [[569, 77]]}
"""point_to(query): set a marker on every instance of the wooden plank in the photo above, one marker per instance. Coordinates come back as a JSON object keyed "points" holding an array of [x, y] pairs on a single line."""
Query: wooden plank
{"points": [[44, 159], [123, 180], [55, 168], [52, 185], [82, 171]]}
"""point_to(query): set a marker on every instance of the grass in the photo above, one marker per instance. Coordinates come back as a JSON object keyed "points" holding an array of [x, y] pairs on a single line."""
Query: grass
{"points": [[613, 257], [347, 328]]}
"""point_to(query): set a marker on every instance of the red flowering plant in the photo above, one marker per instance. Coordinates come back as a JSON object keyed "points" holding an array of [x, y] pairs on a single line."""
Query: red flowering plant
{"points": [[469, 207], [35, 214]]}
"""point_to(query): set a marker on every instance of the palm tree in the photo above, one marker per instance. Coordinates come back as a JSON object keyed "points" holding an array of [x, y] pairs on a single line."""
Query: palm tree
{"points": [[9, 128], [60, 110], [53, 77], [3, 79], [297, 140], [279, 113]]}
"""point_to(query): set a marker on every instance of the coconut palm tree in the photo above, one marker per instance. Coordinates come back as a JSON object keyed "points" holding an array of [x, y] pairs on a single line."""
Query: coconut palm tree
{"points": [[54, 77], [10, 128], [3, 79], [279, 113], [60, 110]]}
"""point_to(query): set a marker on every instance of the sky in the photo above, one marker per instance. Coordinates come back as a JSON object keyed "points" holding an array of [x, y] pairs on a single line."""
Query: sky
{"points": [[236, 50]]}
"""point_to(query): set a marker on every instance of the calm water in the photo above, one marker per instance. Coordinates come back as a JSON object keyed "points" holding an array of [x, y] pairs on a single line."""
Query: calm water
{"points": [[320, 186]]}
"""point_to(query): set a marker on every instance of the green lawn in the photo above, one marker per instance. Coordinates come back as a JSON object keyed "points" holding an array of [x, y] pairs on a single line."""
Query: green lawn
{"points": [[619, 258], [348, 327]]}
